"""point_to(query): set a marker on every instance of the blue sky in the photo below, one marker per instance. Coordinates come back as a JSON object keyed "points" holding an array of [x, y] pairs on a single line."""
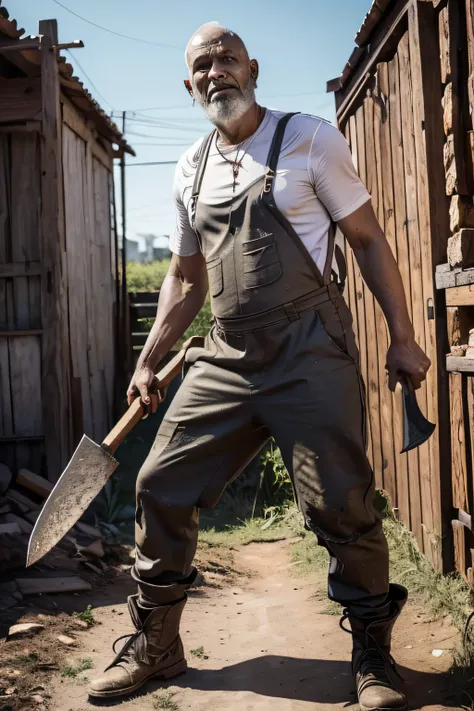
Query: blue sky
{"points": [[300, 44]]}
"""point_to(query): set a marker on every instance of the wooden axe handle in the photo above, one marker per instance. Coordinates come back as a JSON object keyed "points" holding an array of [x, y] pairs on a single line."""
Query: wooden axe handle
{"points": [[136, 410]]}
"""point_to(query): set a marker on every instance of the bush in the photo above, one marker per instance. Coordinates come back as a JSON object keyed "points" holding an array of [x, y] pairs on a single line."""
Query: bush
{"points": [[146, 277]]}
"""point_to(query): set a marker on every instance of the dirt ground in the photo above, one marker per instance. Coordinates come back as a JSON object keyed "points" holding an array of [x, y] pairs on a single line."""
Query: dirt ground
{"points": [[257, 637]]}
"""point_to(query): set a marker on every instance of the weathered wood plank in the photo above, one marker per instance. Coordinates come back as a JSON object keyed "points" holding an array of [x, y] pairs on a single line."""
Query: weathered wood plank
{"points": [[459, 364], [411, 193], [460, 296], [458, 443], [384, 212], [55, 344], [459, 547], [78, 266], [402, 253], [455, 277], [373, 385], [20, 100], [360, 286], [5, 200], [433, 225], [6, 412], [25, 379]]}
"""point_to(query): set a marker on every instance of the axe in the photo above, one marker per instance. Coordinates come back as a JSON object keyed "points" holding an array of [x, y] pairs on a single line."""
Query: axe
{"points": [[90, 467], [416, 428]]}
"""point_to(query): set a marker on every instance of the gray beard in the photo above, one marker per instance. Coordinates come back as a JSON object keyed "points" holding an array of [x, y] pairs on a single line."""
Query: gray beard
{"points": [[230, 108]]}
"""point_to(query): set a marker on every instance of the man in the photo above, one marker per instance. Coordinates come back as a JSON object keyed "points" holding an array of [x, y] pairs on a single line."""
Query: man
{"points": [[257, 204]]}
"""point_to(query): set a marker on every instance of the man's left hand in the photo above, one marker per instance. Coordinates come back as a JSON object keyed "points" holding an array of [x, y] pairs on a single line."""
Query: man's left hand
{"points": [[406, 358]]}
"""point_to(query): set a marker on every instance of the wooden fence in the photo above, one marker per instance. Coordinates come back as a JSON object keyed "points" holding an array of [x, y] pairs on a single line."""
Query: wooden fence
{"points": [[389, 106]]}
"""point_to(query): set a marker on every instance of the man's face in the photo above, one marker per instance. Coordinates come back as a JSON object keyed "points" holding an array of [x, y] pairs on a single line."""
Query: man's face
{"points": [[222, 76]]}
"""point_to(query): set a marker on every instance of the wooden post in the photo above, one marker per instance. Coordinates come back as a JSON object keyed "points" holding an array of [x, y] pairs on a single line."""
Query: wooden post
{"points": [[434, 230], [55, 350]]}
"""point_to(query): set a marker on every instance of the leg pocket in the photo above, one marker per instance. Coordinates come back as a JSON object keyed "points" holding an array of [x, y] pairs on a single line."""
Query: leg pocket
{"points": [[215, 277]]}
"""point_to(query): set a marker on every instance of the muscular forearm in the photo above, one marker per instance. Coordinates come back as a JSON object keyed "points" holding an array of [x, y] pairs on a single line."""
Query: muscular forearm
{"points": [[179, 304], [381, 274]]}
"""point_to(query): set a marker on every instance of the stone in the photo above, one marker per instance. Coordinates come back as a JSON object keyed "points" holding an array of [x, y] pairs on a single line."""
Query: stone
{"points": [[68, 641], [461, 249], [24, 629], [95, 549], [6, 477]]}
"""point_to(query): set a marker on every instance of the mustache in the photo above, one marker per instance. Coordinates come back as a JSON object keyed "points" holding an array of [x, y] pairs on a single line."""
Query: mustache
{"points": [[218, 87]]}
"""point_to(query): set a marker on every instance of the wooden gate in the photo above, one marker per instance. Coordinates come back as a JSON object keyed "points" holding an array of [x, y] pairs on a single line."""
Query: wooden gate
{"points": [[388, 109]]}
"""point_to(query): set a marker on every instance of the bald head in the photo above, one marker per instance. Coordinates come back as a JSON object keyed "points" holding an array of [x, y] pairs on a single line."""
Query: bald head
{"points": [[222, 77], [210, 35]]}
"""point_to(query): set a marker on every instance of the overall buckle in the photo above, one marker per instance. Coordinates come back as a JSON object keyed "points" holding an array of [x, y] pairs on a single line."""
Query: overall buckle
{"points": [[270, 175]]}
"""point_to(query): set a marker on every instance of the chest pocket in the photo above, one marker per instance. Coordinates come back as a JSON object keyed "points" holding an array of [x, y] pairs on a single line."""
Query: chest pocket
{"points": [[261, 262]]}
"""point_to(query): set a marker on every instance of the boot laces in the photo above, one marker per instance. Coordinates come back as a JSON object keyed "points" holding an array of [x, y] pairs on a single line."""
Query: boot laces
{"points": [[134, 649], [375, 660]]}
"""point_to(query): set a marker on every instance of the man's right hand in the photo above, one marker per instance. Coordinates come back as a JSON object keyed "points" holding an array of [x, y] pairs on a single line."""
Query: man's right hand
{"points": [[143, 385]]}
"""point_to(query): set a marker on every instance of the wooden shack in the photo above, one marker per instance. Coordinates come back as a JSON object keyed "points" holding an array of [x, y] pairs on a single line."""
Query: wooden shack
{"points": [[59, 276], [405, 103]]}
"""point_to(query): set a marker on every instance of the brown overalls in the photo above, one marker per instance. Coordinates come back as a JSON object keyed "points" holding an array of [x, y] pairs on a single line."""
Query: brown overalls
{"points": [[280, 361]]}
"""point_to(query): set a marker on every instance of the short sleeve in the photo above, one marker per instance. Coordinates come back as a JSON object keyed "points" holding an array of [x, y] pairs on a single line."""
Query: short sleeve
{"points": [[183, 241], [333, 175]]}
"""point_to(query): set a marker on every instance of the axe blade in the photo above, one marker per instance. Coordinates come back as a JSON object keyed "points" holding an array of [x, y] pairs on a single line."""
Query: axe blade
{"points": [[416, 428], [84, 477]]}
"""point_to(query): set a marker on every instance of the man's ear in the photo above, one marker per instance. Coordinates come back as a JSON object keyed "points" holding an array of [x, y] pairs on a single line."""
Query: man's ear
{"points": [[254, 69], [189, 88]]}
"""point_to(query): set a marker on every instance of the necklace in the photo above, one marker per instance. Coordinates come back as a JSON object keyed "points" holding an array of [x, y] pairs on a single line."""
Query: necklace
{"points": [[236, 163]]}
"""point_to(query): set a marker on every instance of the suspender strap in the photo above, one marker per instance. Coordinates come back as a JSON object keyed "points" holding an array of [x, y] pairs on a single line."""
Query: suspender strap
{"points": [[274, 155], [201, 166], [275, 148]]}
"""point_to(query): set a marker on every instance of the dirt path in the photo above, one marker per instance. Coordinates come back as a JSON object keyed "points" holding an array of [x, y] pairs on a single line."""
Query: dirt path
{"points": [[267, 644]]}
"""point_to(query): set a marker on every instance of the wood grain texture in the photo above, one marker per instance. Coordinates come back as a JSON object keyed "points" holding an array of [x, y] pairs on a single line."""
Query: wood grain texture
{"points": [[458, 443], [373, 384], [460, 295], [402, 254], [411, 194], [55, 348]]}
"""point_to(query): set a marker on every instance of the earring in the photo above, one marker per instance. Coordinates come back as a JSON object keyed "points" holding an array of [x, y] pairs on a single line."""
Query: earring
{"points": [[194, 102]]}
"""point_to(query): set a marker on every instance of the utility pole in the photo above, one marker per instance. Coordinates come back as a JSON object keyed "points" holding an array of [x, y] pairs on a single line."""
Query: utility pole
{"points": [[126, 314]]}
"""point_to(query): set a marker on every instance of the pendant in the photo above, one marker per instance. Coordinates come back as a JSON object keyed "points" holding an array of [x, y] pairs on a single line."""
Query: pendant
{"points": [[235, 173]]}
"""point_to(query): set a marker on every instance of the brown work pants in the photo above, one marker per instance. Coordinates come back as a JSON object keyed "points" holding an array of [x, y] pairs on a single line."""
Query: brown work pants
{"points": [[299, 383]]}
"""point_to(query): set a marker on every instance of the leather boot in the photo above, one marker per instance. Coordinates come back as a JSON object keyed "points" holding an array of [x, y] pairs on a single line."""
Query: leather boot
{"points": [[372, 665], [154, 650]]}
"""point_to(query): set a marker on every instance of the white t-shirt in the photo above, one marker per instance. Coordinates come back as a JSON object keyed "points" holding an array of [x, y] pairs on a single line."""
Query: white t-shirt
{"points": [[315, 179]]}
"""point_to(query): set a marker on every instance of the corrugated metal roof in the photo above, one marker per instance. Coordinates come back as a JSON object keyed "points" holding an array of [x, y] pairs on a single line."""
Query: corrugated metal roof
{"points": [[71, 85]]}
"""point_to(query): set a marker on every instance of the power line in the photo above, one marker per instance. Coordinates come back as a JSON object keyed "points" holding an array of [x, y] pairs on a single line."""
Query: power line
{"points": [[90, 80], [264, 96], [118, 34], [162, 162]]}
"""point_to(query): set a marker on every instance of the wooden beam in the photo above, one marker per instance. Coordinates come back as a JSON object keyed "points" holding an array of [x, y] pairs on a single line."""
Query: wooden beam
{"points": [[55, 342], [433, 212], [460, 296], [15, 269], [455, 277], [20, 100], [24, 127], [459, 364]]}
